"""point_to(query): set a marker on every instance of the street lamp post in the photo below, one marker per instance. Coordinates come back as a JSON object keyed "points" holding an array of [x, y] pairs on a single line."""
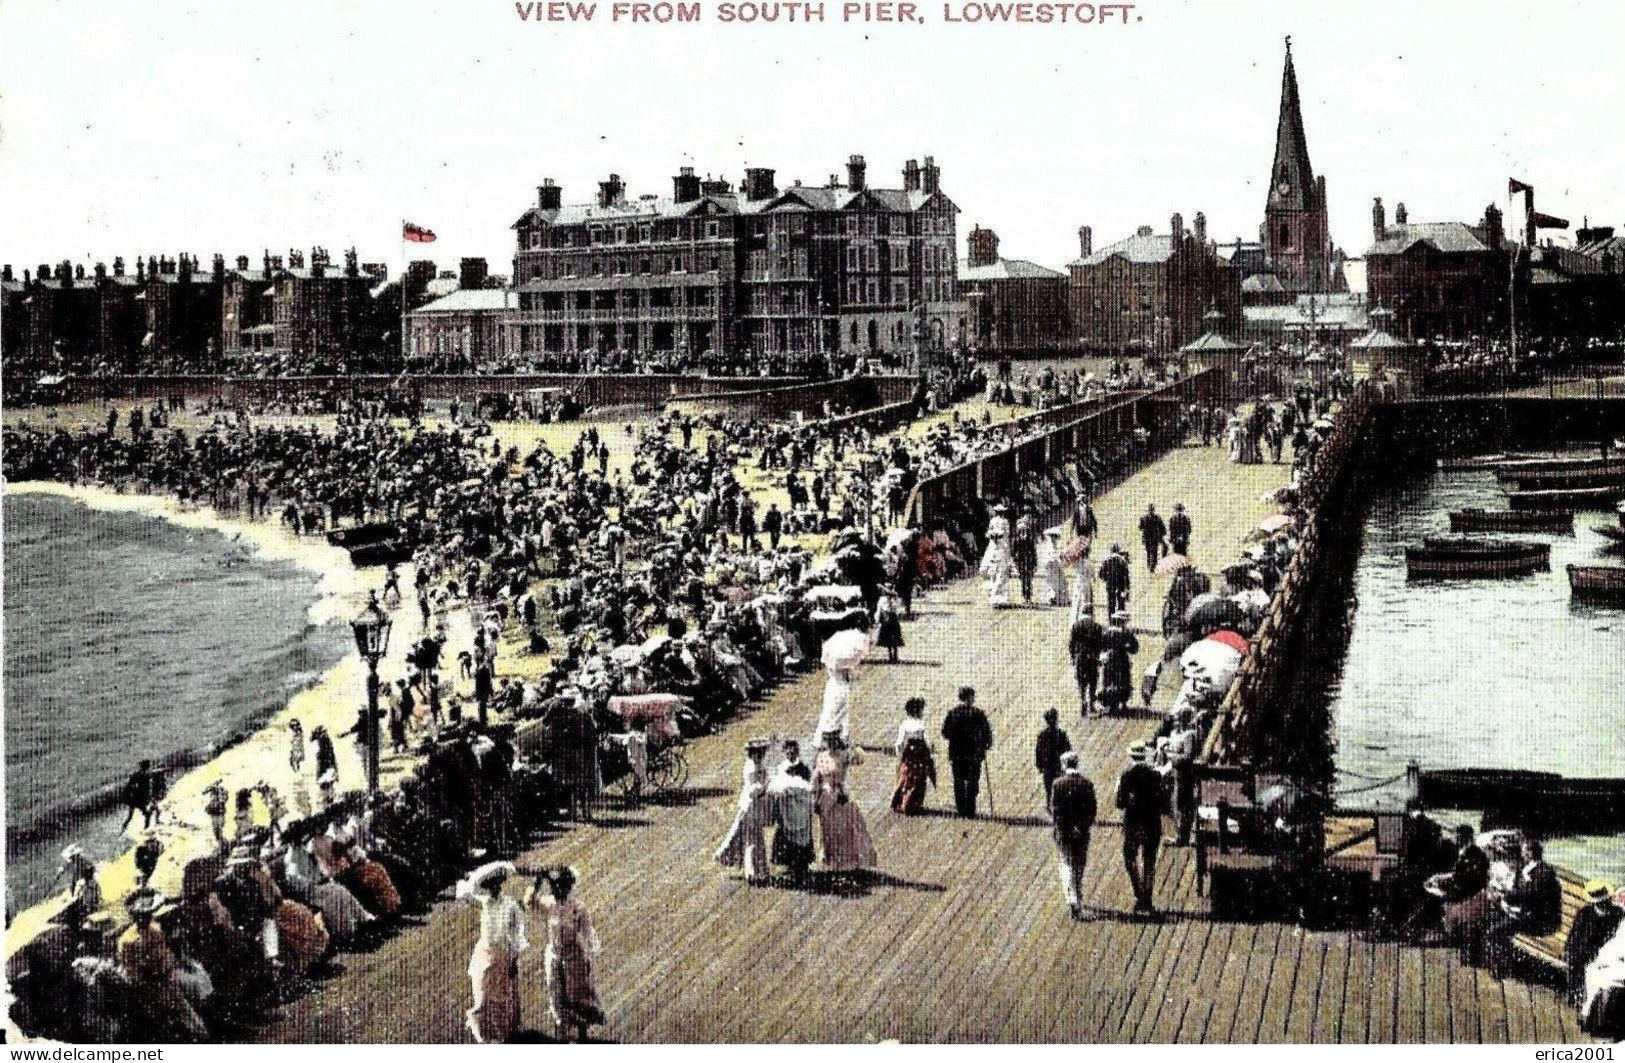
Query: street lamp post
{"points": [[371, 630]]}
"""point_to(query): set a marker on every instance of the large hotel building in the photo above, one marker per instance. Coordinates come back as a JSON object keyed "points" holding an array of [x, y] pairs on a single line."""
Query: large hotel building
{"points": [[774, 277]]}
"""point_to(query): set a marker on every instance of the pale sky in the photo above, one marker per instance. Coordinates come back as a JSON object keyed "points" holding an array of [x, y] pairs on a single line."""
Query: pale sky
{"points": [[164, 125]]}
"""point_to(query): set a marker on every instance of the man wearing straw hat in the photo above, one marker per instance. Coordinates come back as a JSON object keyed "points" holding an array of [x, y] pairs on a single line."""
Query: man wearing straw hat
{"points": [[1139, 796], [1593, 926], [147, 961], [1072, 811]]}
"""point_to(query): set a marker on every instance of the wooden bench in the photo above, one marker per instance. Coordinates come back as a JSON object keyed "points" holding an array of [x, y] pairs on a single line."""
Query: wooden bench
{"points": [[1549, 949]]}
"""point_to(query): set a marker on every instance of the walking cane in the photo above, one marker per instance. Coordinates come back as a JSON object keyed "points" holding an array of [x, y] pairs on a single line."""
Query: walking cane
{"points": [[987, 773]]}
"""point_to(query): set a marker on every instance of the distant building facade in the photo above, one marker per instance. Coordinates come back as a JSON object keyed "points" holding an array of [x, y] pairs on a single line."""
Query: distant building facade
{"points": [[1011, 304], [763, 276], [472, 330], [1149, 292], [1442, 280]]}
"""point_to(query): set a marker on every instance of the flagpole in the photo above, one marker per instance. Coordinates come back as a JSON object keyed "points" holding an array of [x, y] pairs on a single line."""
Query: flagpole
{"points": [[403, 294]]}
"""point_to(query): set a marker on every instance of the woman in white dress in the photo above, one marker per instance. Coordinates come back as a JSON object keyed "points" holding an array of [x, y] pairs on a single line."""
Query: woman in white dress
{"points": [[996, 565], [1083, 587], [837, 712], [493, 969], [1052, 571], [746, 844]]}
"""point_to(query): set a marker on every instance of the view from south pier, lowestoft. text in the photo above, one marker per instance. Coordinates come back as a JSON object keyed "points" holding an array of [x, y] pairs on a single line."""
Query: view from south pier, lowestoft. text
{"points": [[660, 12]]}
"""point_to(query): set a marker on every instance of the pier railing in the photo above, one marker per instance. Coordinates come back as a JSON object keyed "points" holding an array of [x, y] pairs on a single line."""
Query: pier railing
{"points": [[1064, 432], [1265, 667]]}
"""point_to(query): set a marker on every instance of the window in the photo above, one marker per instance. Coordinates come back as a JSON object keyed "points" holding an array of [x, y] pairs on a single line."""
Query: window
{"points": [[872, 258], [710, 230], [643, 265], [851, 225], [715, 263], [899, 257], [900, 292], [874, 291], [854, 291], [620, 234], [1285, 235], [854, 257]]}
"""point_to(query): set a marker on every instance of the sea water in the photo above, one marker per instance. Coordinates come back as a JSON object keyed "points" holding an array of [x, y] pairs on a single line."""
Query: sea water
{"points": [[128, 637], [1480, 673]]}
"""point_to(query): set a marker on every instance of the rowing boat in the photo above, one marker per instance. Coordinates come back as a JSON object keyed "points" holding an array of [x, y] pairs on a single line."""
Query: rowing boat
{"points": [[1556, 522], [1459, 556]]}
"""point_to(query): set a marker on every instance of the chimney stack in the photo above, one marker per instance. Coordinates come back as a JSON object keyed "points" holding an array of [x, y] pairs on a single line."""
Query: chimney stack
{"points": [[982, 247], [1201, 228], [930, 177], [1086, 241], [140, 270], [1176, 228], [5, 273], [685, 187], [715, 187], [101, 272], [1379, 220], [759, 183], [1493, 234], [612, 191], [1401, 215], [242, 263], [219, 266], [78, 271], [472, 273], [118, 266], [548, 195], [854, 173], [184, 267], [911, 176], [352, 263]]}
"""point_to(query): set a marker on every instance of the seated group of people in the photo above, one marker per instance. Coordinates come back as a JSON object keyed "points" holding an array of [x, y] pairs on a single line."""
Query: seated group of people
{"points": [[251, 923]]}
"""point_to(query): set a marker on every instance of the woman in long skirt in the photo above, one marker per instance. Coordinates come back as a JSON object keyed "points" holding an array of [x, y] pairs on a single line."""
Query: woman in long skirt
{"points": [[746, 844], [494, 968], [889, 626], [572, 995], [847, 845], [916, 768]]}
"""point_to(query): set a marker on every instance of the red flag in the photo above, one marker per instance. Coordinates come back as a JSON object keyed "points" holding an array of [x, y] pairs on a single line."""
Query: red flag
{"points": [[1547, 221], [416, 234], [1514, 186]]}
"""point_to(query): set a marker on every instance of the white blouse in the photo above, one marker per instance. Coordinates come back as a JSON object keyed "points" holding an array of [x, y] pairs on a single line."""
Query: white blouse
{"points": [[911, 728]]}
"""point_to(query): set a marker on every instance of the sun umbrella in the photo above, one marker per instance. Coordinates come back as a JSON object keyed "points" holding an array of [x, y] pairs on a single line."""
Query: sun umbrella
{"points": [[1274, 523], [627, 655], [1211, 664], [1075, 548], [846, 648], [1172, 563], [1216, 614], [1231, 639]]}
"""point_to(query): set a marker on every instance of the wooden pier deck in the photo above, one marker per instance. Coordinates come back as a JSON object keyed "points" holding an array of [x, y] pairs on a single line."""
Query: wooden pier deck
{"points": [[964, 936]]}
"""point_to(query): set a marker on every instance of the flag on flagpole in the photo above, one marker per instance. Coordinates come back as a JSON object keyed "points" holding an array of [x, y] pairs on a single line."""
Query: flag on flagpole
{"points": [[1514, 186], [416, 234]]}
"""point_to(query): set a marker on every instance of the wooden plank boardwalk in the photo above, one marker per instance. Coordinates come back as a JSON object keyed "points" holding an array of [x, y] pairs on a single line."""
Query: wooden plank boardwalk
{"points": [[964, 936]]}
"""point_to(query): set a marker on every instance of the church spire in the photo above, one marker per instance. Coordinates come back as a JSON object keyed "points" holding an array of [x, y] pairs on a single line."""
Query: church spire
{"points": [[1292, 178]]}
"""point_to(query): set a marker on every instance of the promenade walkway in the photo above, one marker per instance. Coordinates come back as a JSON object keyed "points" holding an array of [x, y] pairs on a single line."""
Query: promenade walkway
{"points": [[964, 935]]}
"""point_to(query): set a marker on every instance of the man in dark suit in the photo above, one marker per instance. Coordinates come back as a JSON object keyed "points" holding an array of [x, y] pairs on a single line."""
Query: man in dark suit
{"points": [[1179, 530], [1084, 524], [1154, 536], [1024, 553], [969, 737], [1072, 811], [1594, 926], [1052, 744], [1084, 646], [1114, 574], [1139, 796], [1533, 907]]}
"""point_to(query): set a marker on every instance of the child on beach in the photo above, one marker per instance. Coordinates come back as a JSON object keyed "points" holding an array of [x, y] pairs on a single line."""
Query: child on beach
{"points": [[296, 745]]}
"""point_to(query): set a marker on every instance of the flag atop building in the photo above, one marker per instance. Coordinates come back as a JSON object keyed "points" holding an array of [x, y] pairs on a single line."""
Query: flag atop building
{"points": [[416, 234]]}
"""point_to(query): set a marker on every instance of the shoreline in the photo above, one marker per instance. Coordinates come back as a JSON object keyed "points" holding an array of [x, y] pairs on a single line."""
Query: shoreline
{"points": [[332, 699]]}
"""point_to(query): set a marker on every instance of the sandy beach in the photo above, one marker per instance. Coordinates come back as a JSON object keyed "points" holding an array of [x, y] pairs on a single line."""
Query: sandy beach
{"points": [[332, 700]]}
